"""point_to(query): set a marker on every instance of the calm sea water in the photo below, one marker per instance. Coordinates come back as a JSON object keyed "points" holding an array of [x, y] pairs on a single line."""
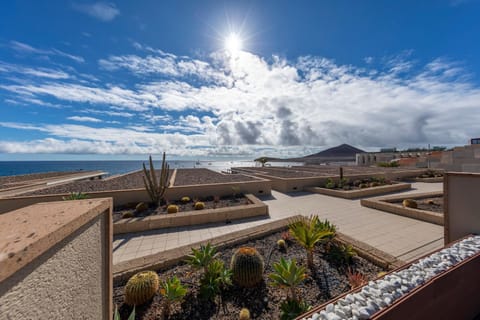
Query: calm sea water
{"points": [[10, 168]]}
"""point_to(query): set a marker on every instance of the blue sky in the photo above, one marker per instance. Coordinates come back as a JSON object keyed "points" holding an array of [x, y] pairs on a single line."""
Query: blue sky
{"points": [[110, 80]]}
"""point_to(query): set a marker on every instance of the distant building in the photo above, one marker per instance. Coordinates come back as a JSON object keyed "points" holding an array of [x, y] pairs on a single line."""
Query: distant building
{"points": [[475, 141]]}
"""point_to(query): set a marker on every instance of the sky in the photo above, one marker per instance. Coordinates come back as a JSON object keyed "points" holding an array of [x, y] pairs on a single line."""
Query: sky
{"points": [[124, 79]]}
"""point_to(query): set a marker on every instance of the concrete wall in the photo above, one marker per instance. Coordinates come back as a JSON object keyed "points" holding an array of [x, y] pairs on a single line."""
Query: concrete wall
{"points": [[462, 205], [56, 261], [121, 197]]}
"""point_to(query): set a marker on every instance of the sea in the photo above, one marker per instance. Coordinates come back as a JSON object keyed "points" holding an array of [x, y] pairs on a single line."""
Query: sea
{"points": [[11, 168]]}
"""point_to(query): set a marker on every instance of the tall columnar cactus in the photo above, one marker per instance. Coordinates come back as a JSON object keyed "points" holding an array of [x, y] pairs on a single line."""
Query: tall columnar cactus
{"points": [[141, 287], [247, 267], [156, 188]]}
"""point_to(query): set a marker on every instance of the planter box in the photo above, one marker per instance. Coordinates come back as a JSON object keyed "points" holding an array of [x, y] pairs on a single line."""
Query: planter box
{"points": [[429, 180], [452, 294], [385, 204], [195, 217], [367, 192]]}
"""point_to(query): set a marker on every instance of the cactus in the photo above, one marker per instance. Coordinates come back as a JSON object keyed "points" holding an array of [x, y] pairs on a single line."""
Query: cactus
{"points": [[247, 267], [141, 207], [410, 203], [141, 287], [185, 199], [127, 215], [172, 208], [199, 205], [281, 244], [156, 188], [244, 314]]}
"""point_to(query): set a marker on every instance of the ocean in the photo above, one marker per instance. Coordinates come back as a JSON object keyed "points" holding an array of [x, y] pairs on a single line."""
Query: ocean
{"points": [[10, 168]]}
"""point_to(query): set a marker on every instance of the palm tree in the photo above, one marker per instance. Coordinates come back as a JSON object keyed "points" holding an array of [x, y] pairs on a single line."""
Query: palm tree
{"points": [[308, 234]]}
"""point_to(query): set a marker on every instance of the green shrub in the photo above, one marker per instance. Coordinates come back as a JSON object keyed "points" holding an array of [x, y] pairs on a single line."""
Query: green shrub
{"points": [[291, 309], [141, 287], [76, 196], [172, 208], [172, 290], [410, 203], [341, 254], [247, 267], [287, 275], [199, 205]]}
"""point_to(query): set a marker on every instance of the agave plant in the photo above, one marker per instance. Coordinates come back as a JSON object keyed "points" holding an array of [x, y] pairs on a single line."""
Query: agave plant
{"points": [[290, 309], [201, 258], [116, 315], [76, 196], [172, 290], [307, 233], [288, 275], [355, 278], [216, 279], [156, 188]]}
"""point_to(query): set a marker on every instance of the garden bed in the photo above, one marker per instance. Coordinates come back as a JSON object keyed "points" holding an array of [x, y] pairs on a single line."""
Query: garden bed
{"points": [[430, 176], [187, 177], [226, 209], [263, 300], [358, 191], [429, 206]]}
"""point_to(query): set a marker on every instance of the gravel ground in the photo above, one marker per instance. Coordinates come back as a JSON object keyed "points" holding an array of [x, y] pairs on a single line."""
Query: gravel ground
{"points": [[434, 204], [134, 181], [10, 181], [264, 300]]}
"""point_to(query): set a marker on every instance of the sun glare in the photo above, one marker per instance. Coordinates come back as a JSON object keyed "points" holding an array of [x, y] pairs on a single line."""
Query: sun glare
{"points": [[233, 43]]}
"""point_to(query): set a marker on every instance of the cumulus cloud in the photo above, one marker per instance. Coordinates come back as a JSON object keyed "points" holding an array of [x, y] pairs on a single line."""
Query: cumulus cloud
{"points": [[104, 11], [249, 104]]}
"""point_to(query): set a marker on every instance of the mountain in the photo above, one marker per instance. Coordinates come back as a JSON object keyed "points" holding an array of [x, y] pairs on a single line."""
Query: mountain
{"points": [[341, 151]]}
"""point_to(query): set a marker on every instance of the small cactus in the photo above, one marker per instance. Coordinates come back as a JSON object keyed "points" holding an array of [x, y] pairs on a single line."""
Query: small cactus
{"points": [[199, 205], [410, 203], [185, 199], [141, 207], [172, 208], [281, 244], [431, 202], [244, 314], [141, 287], [127, 215], [247, 267]]}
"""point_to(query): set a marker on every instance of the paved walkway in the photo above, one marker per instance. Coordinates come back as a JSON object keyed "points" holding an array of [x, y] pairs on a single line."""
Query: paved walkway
{"points": [[402, 237]]}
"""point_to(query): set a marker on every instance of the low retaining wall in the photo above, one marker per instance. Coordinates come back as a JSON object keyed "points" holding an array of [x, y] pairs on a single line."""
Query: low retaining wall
{"points": [[122, 197], [194, 217], [367, 192], [429, 180], [56, 261], [385, 205]]}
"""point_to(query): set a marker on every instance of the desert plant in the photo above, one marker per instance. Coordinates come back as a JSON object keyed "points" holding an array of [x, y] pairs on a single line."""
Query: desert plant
{"points": [[341, 254], [244, 314], [247, 267], [410, 203], [127, 215], [262, 161], [355, 278], [281, 244], [141, 287], [363, 185], [286, 236], [201, 258], [185, 199], [76, 196], [329, 184], [431, 202], [172, 208], [288, 275], [172, 290], [307, 233], [290, 309], [141, 207], [156, 188], [215, 279], [199, 205], [116, 315]]}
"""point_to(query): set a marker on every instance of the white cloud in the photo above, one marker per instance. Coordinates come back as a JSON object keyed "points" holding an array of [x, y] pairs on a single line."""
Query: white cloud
{"points": [[28, 49], [84, 119], [104, 11]]}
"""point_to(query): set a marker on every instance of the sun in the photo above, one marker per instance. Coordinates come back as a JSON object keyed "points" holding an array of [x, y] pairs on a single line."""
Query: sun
{"points": [[233, 44]]}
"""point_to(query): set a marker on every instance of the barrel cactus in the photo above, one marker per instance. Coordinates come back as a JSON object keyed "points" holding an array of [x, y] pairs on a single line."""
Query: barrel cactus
{"points": [[141, 287], [247, 267], [244, 314], [281, 244], [199, 205], [185, 199], [172, 208], [410, 203]]}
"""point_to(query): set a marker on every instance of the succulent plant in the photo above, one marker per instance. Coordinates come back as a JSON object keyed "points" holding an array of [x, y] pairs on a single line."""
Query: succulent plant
{"points": [[286, 236], [341, 253], [329, 184], [141, 207], [247, 267], [116, 315], [185, 199], [291, 309], [201, 258], [281, 244], [363, 185], [410, 203], [215, 279], [244, 314], [141, 287], [127, 215], [287, 275], [172, 208], [76, 196], [199, 205], [156, 188], [172, 290], [355, 278], [308, 234]]}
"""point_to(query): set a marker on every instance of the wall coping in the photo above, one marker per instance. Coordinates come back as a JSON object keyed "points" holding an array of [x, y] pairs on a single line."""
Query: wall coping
{"points": [[27, 233]]}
